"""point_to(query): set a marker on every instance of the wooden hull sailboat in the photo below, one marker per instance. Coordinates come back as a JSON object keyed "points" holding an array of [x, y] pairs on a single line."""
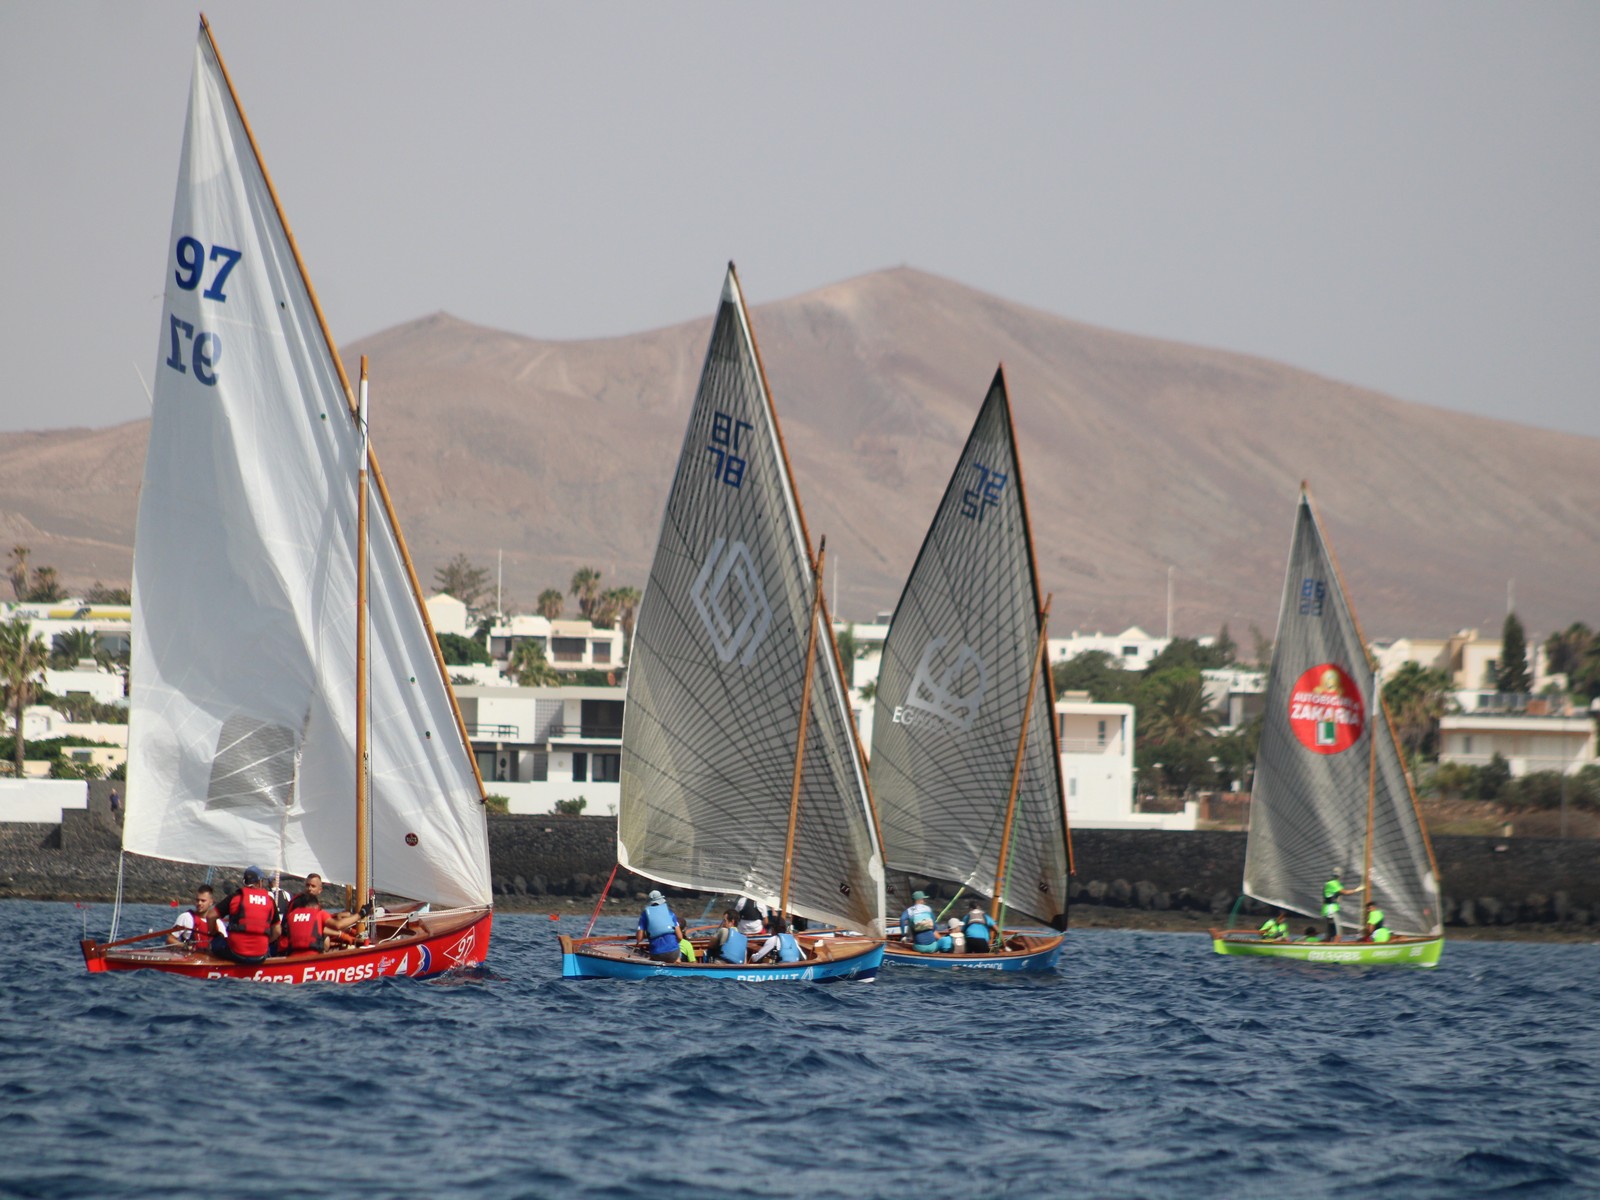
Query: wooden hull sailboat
{"points": [[404, 945], [966, 765], [1027, 950], [827, 959], [274, 619], [742, 774], [1398, 952], [1332, 799]]}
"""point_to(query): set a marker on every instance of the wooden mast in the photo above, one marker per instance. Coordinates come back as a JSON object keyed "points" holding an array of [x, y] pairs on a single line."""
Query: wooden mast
{"points": [[1016, 770], [1044, 664], [1372, 792], [363, 835], [805, 723]]}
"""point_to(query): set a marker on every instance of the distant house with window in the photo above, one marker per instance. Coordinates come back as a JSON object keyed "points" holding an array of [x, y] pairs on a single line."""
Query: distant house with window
{"points": [[568, 645], [1097, 768], [1534, 734], [539, 745]]}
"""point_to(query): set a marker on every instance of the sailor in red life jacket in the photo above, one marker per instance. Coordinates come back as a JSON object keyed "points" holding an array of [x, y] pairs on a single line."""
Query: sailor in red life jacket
{"points": [[308, 926], [252, 917], [193, 926]]}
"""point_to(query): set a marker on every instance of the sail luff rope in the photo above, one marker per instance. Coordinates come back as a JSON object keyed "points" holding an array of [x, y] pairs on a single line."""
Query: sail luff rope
{"points": [[363, 859]]}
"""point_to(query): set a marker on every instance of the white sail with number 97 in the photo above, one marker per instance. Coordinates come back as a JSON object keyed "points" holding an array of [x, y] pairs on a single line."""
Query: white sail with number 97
{"points": [[242, 725]]}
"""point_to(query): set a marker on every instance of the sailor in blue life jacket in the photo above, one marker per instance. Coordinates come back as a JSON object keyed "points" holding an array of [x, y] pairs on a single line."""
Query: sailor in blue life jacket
{"points": [[729, 944], [920, 927], [661, 925], [980, 929], [782, 943], [1331, 891], [1375, 930], [720, 935], [252, 922]]}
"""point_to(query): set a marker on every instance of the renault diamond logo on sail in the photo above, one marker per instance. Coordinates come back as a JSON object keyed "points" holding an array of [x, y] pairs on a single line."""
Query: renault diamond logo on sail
{"points": [[731, 602], [950, 690]]}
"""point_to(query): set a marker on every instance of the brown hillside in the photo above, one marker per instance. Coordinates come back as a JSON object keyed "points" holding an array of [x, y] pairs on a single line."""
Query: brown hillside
{"points": [[1139, 454]]}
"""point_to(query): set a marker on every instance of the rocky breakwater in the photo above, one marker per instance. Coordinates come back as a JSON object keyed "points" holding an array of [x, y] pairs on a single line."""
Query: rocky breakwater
{"points": [[1487, 882], [1139, 877]]}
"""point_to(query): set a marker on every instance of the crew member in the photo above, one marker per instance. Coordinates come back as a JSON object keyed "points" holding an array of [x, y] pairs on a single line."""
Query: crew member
{"points": [[309, 926], [729, 944], [980, 929], [661, 925], [782, 943], [252, 923], [920, 927], [1274, 928], [1375, 930], [1331, 891], [193, 924]]}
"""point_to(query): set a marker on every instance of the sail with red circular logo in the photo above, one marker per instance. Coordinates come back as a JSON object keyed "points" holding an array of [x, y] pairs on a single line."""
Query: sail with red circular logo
{"points": [[1331, 792]]}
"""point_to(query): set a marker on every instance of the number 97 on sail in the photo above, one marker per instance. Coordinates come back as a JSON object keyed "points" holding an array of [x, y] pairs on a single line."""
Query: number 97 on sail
{"points": [[200, 351]]}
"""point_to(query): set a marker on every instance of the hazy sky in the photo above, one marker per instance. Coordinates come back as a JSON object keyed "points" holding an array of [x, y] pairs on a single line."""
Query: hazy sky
{"points": [[1400, 195]]}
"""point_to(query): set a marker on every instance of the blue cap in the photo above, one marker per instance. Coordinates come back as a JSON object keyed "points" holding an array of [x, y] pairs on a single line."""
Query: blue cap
{"points": [[252, 874]]}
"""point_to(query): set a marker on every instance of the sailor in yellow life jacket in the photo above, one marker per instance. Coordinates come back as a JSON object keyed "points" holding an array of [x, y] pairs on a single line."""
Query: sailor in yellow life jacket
{"points": [[1376, 930]]}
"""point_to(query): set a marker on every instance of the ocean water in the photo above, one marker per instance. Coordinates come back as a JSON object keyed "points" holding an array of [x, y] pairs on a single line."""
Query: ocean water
{"points": [[1147, 1067]]}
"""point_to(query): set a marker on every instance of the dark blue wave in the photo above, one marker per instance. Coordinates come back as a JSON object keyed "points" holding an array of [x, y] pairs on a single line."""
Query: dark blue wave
{"points": [[1148, 1067]]}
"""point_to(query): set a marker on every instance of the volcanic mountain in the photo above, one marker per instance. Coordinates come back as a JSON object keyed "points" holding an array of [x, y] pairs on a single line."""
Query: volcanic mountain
{"points": [[1139, 456]]}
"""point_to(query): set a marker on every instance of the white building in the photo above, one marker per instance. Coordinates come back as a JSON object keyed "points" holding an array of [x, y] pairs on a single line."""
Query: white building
{"points": [[40, 801], [1132, 649], [567, 645], [1097, 743], [1539, 737], [1239, 693], [447, 614], [539, 745], [1471, 661], [111, 624], [103, 687]]}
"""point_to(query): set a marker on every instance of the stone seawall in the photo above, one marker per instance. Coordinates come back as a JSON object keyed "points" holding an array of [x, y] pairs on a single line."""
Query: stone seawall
{"points": [[1487, 881]]}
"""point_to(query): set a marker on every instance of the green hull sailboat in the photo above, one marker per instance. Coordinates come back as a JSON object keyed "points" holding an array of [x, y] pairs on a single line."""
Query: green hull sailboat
{"points": [[1332, 799]]}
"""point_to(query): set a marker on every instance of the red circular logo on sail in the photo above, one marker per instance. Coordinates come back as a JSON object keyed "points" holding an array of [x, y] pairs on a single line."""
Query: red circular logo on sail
{"points": [[411, 839], [1326, 711]]}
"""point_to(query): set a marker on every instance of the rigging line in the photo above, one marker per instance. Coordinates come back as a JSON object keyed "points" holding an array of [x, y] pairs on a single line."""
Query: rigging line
{"points": [[116, 908]]}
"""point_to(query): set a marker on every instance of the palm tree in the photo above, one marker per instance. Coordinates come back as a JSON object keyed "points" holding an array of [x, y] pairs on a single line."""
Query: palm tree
{"points": [[551, 601], [46, 587], [586, 587], [604, 611], [68, 649], [1417, 697], [529, 667], [627, 600], [23, 657], [19, 571], [1178, 710]]}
